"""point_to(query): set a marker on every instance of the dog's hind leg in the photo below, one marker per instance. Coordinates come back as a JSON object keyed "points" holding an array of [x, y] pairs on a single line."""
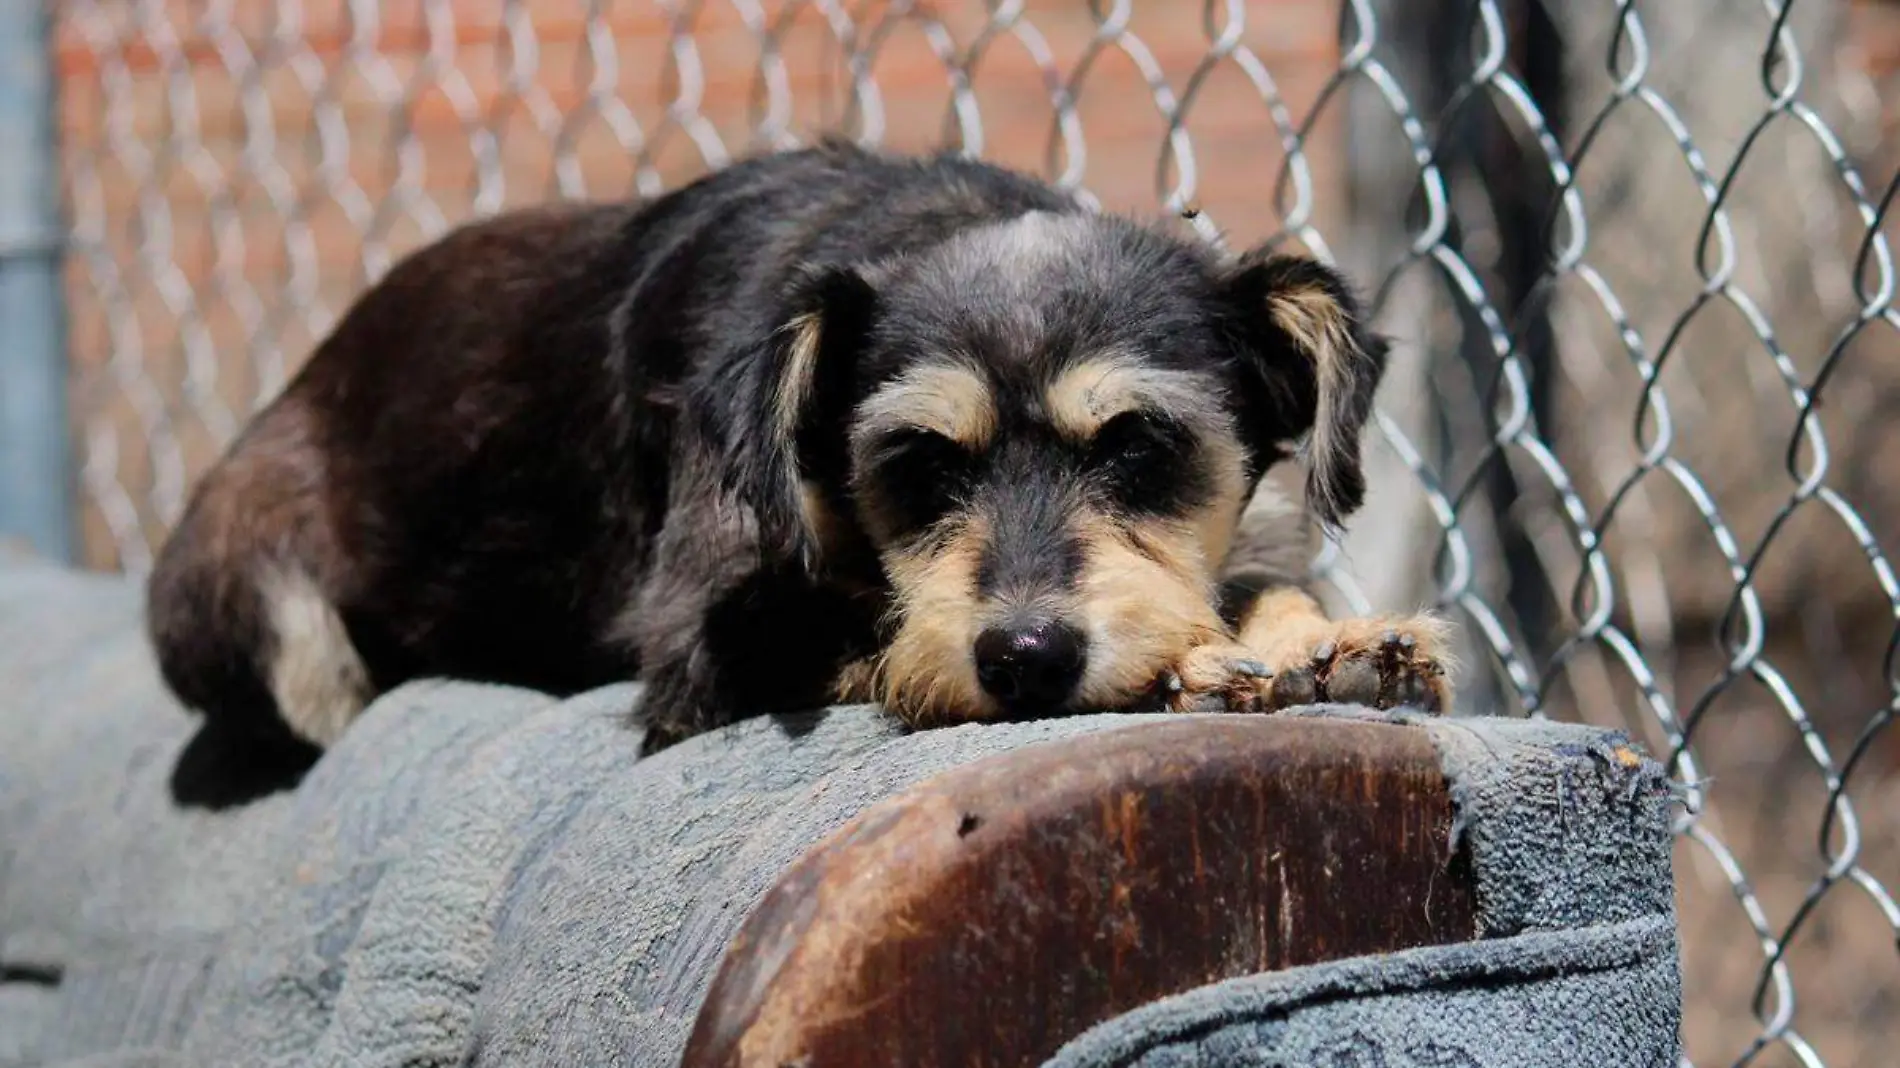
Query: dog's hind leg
{"points": [[314, 672], [243, 627]]}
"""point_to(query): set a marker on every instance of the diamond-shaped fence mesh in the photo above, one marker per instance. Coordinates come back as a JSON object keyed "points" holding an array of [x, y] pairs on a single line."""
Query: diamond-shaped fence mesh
{"points": [[1634, 259]]}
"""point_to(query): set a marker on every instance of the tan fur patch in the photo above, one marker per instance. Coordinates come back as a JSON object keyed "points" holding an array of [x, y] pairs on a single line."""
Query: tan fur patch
{"points": [[1092, 392], [1318, 325], [1218, 523], [857, 683], [788, 404], [927, 676], [796, 377], [949, 399], [1146, 599], [316, 676], [831, 530], [1276, 615]]}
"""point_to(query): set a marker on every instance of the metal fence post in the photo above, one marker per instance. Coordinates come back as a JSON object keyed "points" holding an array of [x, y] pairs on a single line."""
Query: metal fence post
{"points": [[36, 475]]}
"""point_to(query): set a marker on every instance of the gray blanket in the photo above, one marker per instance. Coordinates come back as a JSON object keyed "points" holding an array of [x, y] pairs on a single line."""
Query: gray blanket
{"points": [[484, 876]]}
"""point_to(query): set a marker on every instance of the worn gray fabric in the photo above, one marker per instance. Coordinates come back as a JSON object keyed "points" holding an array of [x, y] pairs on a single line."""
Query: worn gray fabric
{"points": [[483, 876], [1569, 839], [1551, 999]]}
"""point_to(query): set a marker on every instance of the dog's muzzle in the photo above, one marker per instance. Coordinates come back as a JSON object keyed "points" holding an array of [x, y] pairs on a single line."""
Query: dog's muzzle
{"points": [[1032, 665]]}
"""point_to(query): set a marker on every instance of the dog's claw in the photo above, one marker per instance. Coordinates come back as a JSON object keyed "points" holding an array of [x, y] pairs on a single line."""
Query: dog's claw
{"points": [[1393, 646], [1252, 668], [1411, 689]]}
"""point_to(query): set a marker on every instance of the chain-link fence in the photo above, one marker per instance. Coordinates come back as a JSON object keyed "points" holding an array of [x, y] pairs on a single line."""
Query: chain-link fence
{"points": [[1633, 257]]}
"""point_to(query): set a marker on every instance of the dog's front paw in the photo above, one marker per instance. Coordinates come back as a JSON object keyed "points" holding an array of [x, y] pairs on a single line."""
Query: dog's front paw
{"points": [[1232, 674], [1378, 663]]}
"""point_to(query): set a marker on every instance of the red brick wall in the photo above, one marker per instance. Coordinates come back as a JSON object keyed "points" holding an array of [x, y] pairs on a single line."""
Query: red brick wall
{"points": [[237, 180], [1870, 43]]}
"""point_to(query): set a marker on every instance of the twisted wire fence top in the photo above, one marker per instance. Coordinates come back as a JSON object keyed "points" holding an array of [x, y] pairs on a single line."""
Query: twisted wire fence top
{"points": [[1634, 258]]}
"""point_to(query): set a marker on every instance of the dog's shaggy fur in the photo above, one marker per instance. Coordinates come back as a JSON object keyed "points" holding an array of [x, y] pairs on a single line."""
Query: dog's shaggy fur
{"points": [[822, 426]]}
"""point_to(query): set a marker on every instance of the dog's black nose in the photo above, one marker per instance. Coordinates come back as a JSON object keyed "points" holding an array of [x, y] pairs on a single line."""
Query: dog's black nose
{"points": [[1030, 665]]}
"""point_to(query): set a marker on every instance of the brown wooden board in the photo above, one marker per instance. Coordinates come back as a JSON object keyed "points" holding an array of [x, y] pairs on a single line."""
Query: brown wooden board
{"points": [[991, 913]]}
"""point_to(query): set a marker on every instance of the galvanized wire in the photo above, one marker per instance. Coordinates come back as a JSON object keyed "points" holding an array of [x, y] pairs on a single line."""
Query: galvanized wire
{"points": [[237, 169]]}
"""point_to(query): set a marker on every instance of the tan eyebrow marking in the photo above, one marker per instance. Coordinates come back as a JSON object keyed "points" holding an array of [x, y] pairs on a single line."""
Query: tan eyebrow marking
{"points": [[1085, 396], [952, 400]]}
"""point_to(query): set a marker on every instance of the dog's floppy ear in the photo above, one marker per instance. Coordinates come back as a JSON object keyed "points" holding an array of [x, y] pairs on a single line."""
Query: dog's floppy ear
{"points": [[1301, 330], [787, 456]]}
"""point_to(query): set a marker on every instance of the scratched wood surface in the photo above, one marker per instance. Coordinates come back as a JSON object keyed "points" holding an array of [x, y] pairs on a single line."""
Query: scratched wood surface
{"points": [[995, 911]]}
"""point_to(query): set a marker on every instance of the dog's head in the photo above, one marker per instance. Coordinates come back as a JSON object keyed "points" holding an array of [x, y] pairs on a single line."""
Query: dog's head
{"points": [[1046, 430]]}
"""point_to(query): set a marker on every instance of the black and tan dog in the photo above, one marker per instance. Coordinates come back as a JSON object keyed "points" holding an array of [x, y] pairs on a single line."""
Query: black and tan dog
{"points": [[823, 426]]}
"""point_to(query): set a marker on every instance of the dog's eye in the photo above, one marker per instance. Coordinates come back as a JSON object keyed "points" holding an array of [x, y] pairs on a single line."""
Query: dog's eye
{"points": [[1140, 456], [920, 475]]}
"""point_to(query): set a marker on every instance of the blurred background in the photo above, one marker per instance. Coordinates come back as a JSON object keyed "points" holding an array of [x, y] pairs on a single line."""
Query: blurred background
{"points": [[1634, 258]]}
